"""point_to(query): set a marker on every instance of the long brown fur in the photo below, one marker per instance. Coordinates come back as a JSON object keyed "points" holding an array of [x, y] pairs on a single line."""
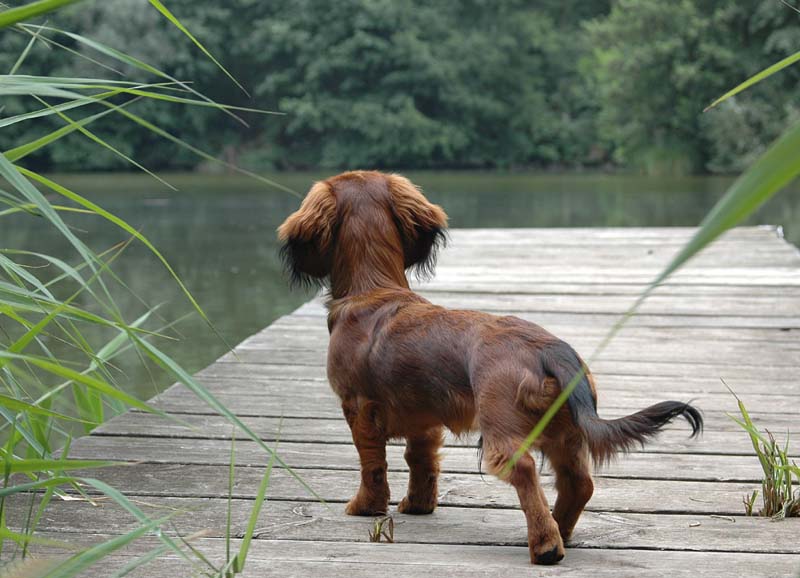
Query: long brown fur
{"points": [[405, 368]]}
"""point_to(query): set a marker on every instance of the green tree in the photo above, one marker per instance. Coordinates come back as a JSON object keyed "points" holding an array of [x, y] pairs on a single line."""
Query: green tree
{"points": [[450, 84], [658, 64]]}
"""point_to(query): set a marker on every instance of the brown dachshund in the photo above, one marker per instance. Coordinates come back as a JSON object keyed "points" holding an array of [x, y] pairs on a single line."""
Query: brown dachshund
{"points": [[405, 368]]}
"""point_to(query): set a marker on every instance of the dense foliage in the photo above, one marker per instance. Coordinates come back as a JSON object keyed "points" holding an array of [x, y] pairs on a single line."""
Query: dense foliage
{"points": [[450, 84]]}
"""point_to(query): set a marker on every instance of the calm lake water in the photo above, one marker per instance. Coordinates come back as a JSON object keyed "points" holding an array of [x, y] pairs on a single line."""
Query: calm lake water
{"points": [[218, 232]]}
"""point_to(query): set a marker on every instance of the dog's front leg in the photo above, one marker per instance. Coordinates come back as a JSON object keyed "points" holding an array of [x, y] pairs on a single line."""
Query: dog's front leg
{"points": [[422, 456], [366, 424]]}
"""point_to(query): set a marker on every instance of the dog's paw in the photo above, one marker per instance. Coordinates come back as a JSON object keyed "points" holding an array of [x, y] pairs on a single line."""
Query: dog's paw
{"points": [[552, 556], [547, 552], [406, 506], [356, 507]]}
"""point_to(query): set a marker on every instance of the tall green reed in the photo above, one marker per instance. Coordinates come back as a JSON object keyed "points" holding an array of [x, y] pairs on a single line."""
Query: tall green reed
{"points": [[55, 372]]}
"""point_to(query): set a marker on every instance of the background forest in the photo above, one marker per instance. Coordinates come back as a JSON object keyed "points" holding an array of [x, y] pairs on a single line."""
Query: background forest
{"points": [[560, 84]]}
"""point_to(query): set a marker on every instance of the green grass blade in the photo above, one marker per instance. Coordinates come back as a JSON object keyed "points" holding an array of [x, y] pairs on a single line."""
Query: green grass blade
{"points": [[67, 270], [121, 224], [32, 301], [13, 269], [77, 53], [37, 485], [22, 407], [93, 137], [241, 557], [76, 103], [33, 195], [177, 23], [24, 539], [775, 169], [39, 465], [756, 78], [204, 155], [24, 150], [32, 10], [23, 85], [87, 380], [24, 54], [104, 49], [110, 349], [137, 563], [64, 81], [206, 396], [20, 344], [13, 420], [133, 62], [76, 565], [30, 209], [16, 88], [231, 480], [129, 506]]}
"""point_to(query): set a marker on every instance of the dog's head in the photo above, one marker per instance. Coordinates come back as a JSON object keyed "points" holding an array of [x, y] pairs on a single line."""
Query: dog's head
{"points": [[361, 215]]}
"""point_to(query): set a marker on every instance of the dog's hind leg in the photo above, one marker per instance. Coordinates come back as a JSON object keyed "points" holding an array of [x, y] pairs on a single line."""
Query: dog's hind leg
{"points": [[571, 465], [422, 456], [544, 541], [366, 424]]}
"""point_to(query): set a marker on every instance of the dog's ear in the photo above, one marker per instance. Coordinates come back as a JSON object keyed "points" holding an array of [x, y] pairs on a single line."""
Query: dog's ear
{"points": [[423, 225], [307, 236]]}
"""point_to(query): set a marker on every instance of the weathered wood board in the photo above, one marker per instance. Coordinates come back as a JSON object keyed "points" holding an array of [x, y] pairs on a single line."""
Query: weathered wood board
{"points": [[672, 508]]}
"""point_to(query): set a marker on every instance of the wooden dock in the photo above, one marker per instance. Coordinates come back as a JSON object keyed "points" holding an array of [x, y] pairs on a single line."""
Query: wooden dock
{"points": [[673, 509]]}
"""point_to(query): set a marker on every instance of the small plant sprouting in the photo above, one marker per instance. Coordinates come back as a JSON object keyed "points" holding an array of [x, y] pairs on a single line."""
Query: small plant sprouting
{"points": [[778, 495], [382, 527], [749, 502]]}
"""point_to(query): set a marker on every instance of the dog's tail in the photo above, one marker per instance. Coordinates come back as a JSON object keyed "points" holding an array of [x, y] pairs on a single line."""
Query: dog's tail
{"points": [[606, 438]]}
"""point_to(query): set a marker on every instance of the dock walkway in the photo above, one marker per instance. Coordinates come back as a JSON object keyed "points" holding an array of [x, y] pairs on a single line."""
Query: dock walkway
{"points": [[673, 509]]}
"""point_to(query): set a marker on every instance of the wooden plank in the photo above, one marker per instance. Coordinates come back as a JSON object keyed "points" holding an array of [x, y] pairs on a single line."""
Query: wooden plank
{"points": [[612, 494], [296, 330], [656, 257], [313, 521], [762, 275], [445, 283], [253, 395], [607, 320], [310, 346], [312, 333], [302, 558], [682, 374], [314, 370], [516, 244], [584, 236], [730, 307], [610, 384], [652, 245], [720, 435], [314, 336], [665, 464], [280, 398], [729, 354], [589, 234]]}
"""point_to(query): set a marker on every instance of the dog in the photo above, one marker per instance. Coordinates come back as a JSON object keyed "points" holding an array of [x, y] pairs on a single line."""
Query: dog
{"points": [[406, 368]]}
